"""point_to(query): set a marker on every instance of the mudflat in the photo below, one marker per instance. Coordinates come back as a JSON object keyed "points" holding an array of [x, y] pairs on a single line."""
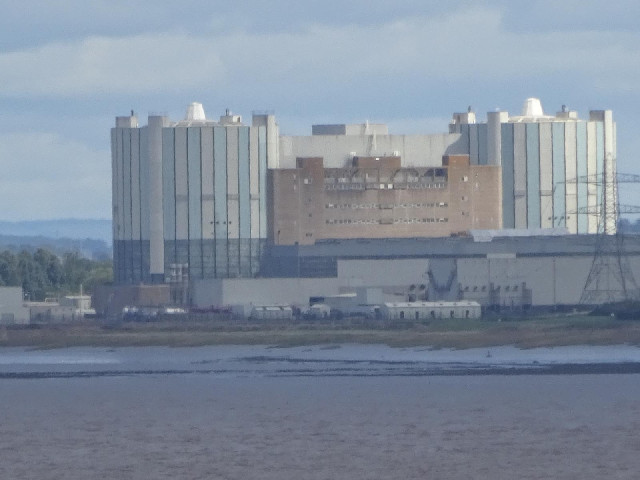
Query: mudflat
{"points": [[523, 332]]}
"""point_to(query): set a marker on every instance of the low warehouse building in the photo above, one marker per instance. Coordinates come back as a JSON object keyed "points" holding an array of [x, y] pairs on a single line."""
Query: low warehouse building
{"points": [[430, 310]]}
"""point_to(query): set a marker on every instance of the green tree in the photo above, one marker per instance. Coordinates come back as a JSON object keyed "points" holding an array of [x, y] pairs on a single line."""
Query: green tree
{"points": [[75, 270], [27, 273], [100, 274], [51, 266], [44, 274], [8, 269]]}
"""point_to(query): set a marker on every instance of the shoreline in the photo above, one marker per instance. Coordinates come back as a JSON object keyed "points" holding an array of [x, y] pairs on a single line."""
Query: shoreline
{"points": [[609, 368], [456, 334]]}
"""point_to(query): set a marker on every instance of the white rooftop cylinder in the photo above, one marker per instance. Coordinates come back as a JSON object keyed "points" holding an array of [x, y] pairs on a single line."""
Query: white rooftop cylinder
{"points": [[532, 108], [195, 112]]}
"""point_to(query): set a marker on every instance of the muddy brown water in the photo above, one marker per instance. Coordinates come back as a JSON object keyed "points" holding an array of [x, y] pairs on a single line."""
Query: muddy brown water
{"points": [[247, 417]]}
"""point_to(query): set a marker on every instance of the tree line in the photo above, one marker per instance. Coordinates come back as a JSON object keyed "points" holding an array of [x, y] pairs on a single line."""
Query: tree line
{"points": [[43, 274]]}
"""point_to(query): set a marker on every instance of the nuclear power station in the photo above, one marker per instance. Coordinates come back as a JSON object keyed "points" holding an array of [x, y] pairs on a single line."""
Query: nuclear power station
{"points": [[235, 213]]}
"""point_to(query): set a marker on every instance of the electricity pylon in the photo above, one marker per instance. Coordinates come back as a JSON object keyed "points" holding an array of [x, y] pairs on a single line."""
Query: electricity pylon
{"points": [[610, 278]]}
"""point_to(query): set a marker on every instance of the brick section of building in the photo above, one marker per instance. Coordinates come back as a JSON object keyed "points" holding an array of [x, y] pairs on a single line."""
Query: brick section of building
{"points": [[378, 198]]}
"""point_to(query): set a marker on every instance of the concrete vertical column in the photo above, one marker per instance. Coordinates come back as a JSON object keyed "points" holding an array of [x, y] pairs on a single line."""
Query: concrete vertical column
{"points": [[473, 145], [156, 240], [606, 159], [273, 143], [126, 184], [116, 203], [571, 172], [233, 205], [532, 146], [169, 196], [194, 200], [494, 136], [136, 190], [254, 184], [116, 168], [520, 174], [559, 174], [268, 157], [581, 172], [592, 172], [206, 183], [507, 174], [182, 196], [546, 177]]}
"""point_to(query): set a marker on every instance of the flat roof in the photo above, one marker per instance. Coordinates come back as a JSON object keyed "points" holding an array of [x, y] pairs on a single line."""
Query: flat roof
{"points": [[452, 247]]}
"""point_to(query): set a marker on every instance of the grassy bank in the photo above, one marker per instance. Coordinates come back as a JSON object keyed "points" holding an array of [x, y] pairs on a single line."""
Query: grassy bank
{"points": [[522, 332]]}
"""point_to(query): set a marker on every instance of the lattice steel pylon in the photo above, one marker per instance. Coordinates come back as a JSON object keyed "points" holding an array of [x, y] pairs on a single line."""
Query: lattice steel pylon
{"points": [[610, 278]]}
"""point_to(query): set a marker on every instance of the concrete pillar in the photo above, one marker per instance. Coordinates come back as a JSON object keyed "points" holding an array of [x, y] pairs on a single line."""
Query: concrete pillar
{"points": [[494, 136], [611, 186]]}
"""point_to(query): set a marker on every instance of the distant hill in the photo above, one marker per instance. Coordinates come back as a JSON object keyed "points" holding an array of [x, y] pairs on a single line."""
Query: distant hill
{"points": [[70, 228], [90, 238], [88, 248]]}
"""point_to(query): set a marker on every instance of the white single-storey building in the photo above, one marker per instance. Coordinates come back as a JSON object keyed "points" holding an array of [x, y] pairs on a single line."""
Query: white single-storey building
{"points": [[430, 310]]}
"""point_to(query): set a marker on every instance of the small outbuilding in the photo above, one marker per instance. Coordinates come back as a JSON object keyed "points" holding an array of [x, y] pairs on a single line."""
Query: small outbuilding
{"points": [[12, 308], [430, 310]]}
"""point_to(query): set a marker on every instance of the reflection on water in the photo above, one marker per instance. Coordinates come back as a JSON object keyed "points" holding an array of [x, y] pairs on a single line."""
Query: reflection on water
{"points": [[313, 413]]}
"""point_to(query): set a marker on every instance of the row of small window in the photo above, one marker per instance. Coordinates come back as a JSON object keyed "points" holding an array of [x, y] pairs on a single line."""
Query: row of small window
{"points": [[483, 288], [345, 186], [425, 179], [432, 314], [420, 220], [331, 180], [383, 186], [422, 186], [369, 221], [359, 221], [357, 206]]}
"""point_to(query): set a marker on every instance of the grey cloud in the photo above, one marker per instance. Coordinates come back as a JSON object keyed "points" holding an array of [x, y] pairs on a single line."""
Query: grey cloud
{"points": [[464, 45]]}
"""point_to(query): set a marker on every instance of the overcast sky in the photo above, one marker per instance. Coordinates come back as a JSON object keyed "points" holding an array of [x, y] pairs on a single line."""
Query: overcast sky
{"points": [[67, 68]]}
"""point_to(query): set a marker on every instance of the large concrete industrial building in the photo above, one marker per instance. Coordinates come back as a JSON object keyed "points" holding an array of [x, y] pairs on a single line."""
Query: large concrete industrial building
{"points": [[190, 193], [234, 213]]}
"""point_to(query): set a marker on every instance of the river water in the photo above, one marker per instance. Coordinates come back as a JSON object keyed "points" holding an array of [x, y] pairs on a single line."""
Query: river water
{"points": [[337, 412]]}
